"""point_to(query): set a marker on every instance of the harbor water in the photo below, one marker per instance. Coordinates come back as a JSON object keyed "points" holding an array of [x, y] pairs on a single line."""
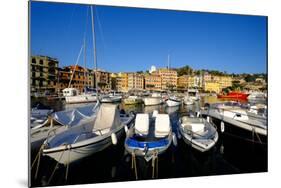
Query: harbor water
{"points": [[231, 155]]}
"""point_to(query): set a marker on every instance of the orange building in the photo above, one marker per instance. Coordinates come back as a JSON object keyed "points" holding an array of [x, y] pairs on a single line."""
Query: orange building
{"points": [[153, 81]]}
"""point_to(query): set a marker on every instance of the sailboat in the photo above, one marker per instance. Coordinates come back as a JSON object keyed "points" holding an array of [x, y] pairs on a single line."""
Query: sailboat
{"points": [[73, 95], [90, 137]]}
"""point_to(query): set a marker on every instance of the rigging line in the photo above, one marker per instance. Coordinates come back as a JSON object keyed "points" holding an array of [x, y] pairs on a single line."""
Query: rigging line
{"points": [[100, 28], [75, 66]]}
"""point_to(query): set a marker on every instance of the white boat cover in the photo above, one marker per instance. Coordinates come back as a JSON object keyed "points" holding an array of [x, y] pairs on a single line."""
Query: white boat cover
{"points": [[142, 124], [76, 116], [108, 118], [162, 125]]}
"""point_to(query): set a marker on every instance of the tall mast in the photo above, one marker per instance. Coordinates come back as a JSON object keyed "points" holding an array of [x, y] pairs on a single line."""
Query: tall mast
{"points": [[85, 69], [94, 47]]}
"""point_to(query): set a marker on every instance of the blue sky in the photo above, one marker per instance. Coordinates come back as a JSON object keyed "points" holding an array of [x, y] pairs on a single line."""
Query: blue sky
{"points": [[133, 39]]}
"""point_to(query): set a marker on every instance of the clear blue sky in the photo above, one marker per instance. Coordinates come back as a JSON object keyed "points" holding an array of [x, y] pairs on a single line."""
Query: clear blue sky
{"points": [[133, 39]]}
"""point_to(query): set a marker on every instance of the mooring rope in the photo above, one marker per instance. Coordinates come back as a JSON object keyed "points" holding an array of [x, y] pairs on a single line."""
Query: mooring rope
{"points": [[51, 177]]}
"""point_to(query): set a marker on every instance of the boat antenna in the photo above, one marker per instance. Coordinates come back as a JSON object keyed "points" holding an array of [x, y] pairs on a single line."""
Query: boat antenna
{"points": [[94, 48]]}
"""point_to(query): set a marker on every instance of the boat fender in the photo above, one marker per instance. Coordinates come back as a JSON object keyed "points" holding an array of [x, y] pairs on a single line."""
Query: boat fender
{"points": [[222, 126], [198, 114], [175, 142], [208, 119], [114, 138], [126, 129]]}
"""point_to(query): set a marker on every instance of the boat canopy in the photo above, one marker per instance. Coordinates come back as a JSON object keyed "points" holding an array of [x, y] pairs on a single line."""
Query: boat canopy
{"points": [[108, 117], [77, 116]]}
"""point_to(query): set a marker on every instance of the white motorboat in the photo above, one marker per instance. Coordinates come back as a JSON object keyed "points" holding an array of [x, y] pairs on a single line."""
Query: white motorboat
{"points": [[60, 121], [238, 119], [133, 99], [256, 95], [150, 135], [198, 132], [154, 99], [111, 99], [193, 94], [82, 141], [173, 101], [72, 95]]}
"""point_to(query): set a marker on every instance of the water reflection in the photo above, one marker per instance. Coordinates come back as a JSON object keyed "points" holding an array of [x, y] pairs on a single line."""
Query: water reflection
{"points": [[229, 156]]}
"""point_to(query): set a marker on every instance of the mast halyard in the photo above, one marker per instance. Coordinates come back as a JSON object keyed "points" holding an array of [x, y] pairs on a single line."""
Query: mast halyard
{"points": [[94, 49]]}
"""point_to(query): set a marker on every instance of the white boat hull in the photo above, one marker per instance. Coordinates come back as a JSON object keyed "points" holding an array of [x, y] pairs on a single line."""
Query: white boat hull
{"points": [[173, 103], [80, 99], [148, 101], [67, 154]]}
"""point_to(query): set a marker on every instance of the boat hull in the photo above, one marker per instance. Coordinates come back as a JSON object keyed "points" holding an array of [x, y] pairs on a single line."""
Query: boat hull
{"points": [[196, 144], [238, 128], [70, 155], [80, 99], [149, 101], [173, 102]]}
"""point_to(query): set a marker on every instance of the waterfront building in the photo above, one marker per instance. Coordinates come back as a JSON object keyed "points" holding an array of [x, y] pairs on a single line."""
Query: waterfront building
{"points": [[153, 81], [135, 81], [212, 86], [225, 81], [183, 82], [44, 71], [103, 79], [76, 74], [122, 82], [168, 77]]}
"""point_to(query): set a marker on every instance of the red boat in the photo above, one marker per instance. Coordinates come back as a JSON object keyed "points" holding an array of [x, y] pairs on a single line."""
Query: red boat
{"points": [[235, 95]]}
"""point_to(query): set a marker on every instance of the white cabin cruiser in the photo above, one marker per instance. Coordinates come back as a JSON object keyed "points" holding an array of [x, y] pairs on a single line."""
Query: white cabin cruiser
{"points": [[72, 95]]}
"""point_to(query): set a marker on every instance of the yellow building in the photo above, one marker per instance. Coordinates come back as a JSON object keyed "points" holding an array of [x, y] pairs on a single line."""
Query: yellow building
{"points": [[135, 81], [212, 86], [44, 74], [153, 82], [183, 82], [225, 81], [168, 77], [122, 82]]}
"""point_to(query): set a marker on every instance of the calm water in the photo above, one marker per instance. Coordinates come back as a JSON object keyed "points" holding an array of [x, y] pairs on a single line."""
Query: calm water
{"points": [[229, 156]]}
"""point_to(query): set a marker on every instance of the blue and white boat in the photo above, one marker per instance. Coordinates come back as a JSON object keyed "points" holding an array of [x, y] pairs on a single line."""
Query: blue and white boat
{"points": [[150, 135]]}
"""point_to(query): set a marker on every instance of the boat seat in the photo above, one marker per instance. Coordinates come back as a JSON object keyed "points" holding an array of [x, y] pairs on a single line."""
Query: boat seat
{"points": [[197, 127], [154, 113], [162, 125], [142, 124]]}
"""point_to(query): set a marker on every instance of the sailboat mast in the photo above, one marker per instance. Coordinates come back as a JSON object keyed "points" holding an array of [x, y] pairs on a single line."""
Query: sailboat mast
{"points": [[85, 69], [94, 47]]}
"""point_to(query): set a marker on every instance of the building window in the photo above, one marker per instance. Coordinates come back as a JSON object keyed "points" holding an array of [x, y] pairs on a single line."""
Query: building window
{"points": [[34, 60]]}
